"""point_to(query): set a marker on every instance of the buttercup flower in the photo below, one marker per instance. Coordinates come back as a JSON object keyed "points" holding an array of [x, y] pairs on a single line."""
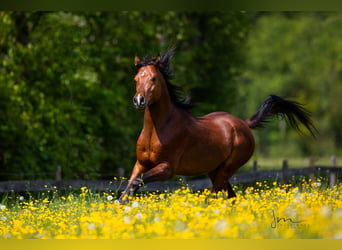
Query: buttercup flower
{"points": [[265, 211]]}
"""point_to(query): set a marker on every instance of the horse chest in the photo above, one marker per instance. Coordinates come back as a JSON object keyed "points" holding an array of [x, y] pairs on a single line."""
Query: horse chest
{"points": [[150, 150]]}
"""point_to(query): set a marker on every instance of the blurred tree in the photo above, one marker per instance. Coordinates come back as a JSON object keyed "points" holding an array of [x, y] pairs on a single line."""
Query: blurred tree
{"points": [[297, 55], [66, 83]]}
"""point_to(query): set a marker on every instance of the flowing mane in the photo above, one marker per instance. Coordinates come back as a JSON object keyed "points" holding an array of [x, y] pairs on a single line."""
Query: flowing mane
{"points": [[176, 92]]}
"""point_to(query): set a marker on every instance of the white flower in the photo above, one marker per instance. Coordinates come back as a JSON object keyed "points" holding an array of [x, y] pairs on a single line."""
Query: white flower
{"points": [[180, 226], [109, 197], [3, 218], [220, 226], [127, 219], [298, 197], [2, 207], [127, 209], [156, 219], [325, 210], [91, 226], [7, 236], [21, 198], [116, 202], [139, 216], [338, 235], [135, 204], [216, 211]]}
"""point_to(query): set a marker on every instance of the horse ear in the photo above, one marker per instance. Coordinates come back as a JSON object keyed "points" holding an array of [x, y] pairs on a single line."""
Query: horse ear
{"points": [[159, 63], [136, 61]]}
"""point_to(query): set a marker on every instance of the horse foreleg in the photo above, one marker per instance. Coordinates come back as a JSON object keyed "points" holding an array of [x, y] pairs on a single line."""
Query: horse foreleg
{"points": [[131, 186], [139, 177], [162, 171]]}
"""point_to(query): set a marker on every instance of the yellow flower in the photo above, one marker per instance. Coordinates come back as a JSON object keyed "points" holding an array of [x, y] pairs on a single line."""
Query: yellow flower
{"points": [[181, 214]]}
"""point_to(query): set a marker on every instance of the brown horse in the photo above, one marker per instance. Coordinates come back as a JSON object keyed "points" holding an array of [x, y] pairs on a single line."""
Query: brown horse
{"points": [[174, 142]]}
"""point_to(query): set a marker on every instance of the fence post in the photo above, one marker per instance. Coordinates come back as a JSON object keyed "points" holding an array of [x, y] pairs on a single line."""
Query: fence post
{"points": [[284, 172], [121, 172], [332, 172], [59, 173], [255, 170], [312, 168]]}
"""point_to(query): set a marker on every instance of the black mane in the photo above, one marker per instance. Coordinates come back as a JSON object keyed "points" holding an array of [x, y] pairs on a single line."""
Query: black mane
{"points": [[163, 63]]}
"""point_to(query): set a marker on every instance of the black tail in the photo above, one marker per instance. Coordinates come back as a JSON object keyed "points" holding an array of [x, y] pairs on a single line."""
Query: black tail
{"points": [[294, 113]]}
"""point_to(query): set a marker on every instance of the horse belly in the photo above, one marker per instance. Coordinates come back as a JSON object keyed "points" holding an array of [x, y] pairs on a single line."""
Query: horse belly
{"points": [[200, 163], [203, 156]]}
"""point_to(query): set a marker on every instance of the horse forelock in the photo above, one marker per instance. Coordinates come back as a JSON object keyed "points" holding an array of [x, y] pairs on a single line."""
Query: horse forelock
{"points": [[162, 62]]}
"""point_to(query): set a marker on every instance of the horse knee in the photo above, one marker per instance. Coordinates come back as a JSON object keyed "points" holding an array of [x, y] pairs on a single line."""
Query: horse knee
{"points": [[162, 171]]}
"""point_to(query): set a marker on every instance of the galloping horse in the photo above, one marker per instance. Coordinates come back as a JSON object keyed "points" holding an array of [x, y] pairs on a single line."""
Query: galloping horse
{"points": [[174, 142]]}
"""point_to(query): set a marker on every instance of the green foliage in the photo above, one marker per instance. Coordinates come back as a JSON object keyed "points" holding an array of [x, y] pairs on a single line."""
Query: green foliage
{"points": [[299, 56], [66, 83]]}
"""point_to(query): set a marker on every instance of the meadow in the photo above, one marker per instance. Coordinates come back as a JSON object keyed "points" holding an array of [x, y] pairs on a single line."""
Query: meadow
{"points": [[262, 211]]}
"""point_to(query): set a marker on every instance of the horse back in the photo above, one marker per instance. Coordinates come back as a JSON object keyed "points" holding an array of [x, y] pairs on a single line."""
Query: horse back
{"points": [[211, 139]]}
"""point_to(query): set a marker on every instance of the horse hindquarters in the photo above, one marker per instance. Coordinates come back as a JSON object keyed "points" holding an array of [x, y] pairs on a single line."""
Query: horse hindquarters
{"points": [[242, 150]]}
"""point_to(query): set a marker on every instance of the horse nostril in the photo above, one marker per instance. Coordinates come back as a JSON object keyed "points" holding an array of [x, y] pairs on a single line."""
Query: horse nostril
{"points": [[142, 100], [139, 101]]}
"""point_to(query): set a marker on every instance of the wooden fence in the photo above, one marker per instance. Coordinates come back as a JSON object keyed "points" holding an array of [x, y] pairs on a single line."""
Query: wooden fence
{"points": [[282, 175]]}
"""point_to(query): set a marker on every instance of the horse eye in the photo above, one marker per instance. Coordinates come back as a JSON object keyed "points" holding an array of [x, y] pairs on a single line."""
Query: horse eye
{"points": [[154, 79]]}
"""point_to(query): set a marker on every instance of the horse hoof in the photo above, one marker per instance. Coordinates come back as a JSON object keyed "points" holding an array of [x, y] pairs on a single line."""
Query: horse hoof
{"points": [[123, 200]]}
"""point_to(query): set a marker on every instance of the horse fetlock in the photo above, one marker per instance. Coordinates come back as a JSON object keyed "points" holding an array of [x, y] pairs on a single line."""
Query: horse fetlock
{"points": [[138, 182]]}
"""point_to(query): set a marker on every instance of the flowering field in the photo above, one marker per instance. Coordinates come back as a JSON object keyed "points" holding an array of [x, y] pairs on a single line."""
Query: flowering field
{"points": [[263, 211]]}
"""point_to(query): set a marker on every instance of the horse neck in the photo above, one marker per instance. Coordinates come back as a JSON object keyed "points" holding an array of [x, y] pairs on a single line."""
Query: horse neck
{"points": [[158, 113]]}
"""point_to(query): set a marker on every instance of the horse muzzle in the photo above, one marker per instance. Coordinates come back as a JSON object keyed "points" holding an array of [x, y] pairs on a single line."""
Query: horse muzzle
{"points": [[139, 102]]}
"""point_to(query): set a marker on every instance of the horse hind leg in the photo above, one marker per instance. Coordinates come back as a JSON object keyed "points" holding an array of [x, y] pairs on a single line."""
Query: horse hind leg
{"points": [[221, 175], [220, 182], [241, 153]]}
